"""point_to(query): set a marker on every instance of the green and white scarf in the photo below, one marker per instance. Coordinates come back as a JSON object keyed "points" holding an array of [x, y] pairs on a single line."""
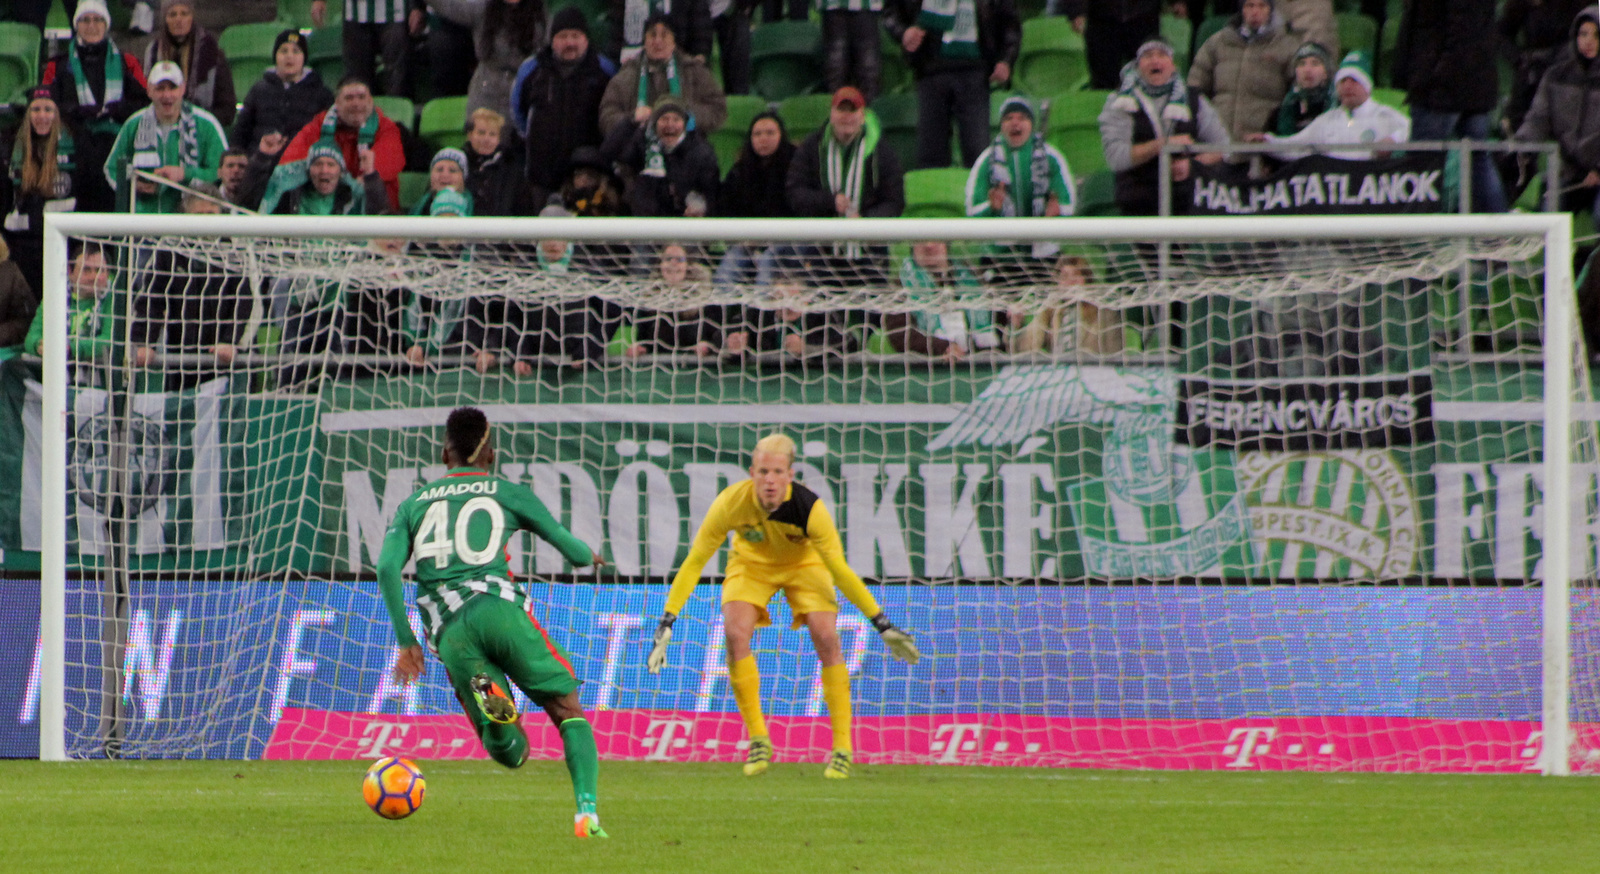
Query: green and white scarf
{"points": [[972, 329], [560, 267], [364, 137], [655, 155], [1001, 157], [147, 139], [674, 87], [958, 21], [845, 166], [1133, 93], [113, 92]]}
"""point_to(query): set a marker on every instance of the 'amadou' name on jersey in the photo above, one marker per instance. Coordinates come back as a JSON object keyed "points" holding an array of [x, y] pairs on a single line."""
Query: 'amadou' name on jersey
{"points": [[457, 529]]}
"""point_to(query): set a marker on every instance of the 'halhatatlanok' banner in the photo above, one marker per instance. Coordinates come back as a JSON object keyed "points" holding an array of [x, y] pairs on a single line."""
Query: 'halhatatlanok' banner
{"points": [[1323, 185]]}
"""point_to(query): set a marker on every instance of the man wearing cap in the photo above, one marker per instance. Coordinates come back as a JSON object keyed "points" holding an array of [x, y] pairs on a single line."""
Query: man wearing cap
{"points": [[846, 171], [172, 138], [1245, 68], [322, 185], [662, 68], [1154, 107], [675, 169], [368, 139], [97, 87], [957, 49], [558, 91], [1020, 175], [1357, 119]]}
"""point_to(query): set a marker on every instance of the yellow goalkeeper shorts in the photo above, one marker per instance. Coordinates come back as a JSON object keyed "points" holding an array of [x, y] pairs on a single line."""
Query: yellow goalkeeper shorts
{"points": [[809, 588]]}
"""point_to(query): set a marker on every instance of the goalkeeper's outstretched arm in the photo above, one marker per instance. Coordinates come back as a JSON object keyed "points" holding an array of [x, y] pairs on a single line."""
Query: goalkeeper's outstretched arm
{"points": [[706, 543]]}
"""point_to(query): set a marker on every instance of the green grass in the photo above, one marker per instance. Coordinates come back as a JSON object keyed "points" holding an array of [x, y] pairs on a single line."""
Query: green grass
{"points": [[255, 816]]}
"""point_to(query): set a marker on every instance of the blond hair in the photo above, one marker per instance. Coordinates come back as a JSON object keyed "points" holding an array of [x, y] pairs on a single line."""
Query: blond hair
{"points": [[484, 114], [778, 444]]}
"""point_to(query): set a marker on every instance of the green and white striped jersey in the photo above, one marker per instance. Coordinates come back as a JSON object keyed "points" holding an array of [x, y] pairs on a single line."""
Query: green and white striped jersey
{"points": [[457, 528], [375, 11]]}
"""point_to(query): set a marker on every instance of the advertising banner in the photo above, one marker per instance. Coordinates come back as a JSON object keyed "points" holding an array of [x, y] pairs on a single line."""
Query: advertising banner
{"points": [[1322, 185]]}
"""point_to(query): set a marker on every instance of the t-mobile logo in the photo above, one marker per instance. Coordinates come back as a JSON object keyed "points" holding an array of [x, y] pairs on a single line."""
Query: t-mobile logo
{"points": [[673, 735], [1246, 742], [377, 737], [951, 740]]}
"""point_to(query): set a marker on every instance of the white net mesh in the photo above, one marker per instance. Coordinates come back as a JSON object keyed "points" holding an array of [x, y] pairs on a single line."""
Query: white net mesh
{"points": [[1267, 504]]}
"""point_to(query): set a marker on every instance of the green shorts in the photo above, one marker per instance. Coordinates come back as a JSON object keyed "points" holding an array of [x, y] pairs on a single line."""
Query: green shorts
{"points": [[490, 635]]}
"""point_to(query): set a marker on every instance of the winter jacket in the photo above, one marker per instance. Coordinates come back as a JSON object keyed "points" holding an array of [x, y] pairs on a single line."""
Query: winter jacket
{"points": [[700, 92], [999, 33], [1445, 56], [208, 83], [756, 187], [1312, 21], [563, 106], [690, 166], [388, 151], [690, 21], [1566, 108], [273, 106], [498, 185], [17, 305], [1246, 78], [95, 124], [1125, 123], [211, 142], [883, 192], [366, 197], [499, 53]]}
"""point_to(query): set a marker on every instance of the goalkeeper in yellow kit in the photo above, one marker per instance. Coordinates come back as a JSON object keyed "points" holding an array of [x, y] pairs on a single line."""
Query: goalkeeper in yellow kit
{"points": [[785, 540]]}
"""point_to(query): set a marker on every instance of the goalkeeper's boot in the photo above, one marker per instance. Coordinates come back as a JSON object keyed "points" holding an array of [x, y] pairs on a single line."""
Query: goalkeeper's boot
{"points": [[759, 757], [838, 766], [587, 825], [493, 700]]}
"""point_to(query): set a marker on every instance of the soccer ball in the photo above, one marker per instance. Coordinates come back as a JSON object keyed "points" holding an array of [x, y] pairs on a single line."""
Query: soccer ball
{"points": [[393, 787]]}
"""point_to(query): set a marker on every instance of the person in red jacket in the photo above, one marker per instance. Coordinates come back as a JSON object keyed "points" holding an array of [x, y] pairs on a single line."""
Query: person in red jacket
{"points": [[369, 140]]}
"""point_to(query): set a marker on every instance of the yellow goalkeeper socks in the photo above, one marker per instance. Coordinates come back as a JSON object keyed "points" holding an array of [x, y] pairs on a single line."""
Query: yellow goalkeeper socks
{"points": [[836, 692], [746, 682]]}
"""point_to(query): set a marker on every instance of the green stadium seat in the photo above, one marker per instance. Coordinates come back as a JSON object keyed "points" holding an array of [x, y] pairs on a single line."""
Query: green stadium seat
{"points": [[897, 116], [729, 139], [413, 187], [443, 122], [1388, 38], [249, 40], [1180, 33], [1391, 97], [56, 23], [297, 13], [936, 193], [326, 53], [804, 114], [1209, 28], [1075, 108], [1357, 31], [1079, 143], [1097, 194], [19, 59], [786, 59], [1051, 59], [403, 112], [894, 75]]}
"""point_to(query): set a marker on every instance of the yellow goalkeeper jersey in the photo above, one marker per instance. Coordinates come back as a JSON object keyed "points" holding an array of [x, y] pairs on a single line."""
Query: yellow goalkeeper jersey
{"points": [[799, 532]]}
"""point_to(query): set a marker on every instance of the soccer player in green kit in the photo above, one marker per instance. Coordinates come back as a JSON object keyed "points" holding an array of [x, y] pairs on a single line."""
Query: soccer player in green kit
{"points": [[477, 620]]}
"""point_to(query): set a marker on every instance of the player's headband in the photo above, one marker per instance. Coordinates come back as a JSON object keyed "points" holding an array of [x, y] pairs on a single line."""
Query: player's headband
{"points": [[483, 441]]}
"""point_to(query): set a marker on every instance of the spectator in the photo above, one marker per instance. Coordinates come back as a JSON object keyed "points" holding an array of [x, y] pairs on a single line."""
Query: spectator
{"points": [[97, 87], [494, 175], [95, 316], [731, 21], [1019, 175], [499, 328], [755, 187], [44, 176], [930, 277], [18, 302], [208, 83], [1544, 28], [591, 189], [432, 326], [1245, 68], [559, 89], [957, 49], [1566, 108], [1312, 94], [374, 27], [232, 178], [369, 140], [504, 32], [660, 69], [850, 45], [447, 176], [845, 171], [802, 335], [686, 331], [1112, 32], [1445, 59], [172, 138], [1311, 20], [1152, 108], [689, 20], [1097, 330], [675, 169], [322, 185], [288, 95], [191, 306], [1357, 118]]}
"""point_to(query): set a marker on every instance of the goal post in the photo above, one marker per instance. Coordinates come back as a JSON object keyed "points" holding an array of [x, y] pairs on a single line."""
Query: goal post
{"points": [[1229, 258]]}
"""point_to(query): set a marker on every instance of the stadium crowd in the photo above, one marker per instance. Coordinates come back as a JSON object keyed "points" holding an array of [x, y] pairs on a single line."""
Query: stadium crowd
{"points": [[643, 108]]}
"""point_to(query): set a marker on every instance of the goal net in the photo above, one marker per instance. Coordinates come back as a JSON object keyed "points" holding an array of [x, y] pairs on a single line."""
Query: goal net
{"points": [[1234, 494]]}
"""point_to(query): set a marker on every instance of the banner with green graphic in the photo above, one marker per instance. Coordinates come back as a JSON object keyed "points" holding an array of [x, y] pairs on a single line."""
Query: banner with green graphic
{"points": [[1009, 472]]}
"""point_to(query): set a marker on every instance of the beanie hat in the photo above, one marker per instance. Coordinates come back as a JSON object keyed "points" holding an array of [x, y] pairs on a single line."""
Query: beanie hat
{"points": [[658, 17], [1153, 44], [670, 103], [168, 4], [1017, 103], [323, 150], [449, 202], [555, 210], [1357, 66], [569, 18], [290, 36], [91, 7], [456, 156]]}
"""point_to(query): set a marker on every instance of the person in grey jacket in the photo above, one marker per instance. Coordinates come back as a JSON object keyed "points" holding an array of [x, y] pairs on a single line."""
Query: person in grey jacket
{"points": [[504, 33], [1566, 108], [1245, 68]]}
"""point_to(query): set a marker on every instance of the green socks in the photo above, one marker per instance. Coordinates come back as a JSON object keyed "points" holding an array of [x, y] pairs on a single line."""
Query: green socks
{"points": [[583, 762]]}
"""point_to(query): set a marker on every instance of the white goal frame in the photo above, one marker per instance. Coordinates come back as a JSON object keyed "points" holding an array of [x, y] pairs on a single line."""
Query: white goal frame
{"points": [[1559, 307]]}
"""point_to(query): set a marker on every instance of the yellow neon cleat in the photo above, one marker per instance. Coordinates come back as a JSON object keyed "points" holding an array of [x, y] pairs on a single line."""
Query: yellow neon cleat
{"points": [[493, 700], [587, 825], [838, 766], [759, 757]]}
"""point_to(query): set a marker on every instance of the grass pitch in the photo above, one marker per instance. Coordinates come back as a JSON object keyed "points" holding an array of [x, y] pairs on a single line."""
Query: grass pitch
{"points": [[478, 817]]}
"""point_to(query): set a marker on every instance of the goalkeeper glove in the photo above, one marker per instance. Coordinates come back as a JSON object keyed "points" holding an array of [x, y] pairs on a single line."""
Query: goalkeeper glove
{"points": [[658, 648], [900, 644]]}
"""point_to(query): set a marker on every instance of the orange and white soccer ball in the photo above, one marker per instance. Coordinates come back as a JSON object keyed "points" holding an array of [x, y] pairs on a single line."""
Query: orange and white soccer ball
{"points": [[393, 787]]}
